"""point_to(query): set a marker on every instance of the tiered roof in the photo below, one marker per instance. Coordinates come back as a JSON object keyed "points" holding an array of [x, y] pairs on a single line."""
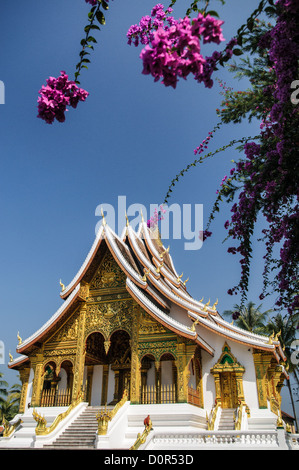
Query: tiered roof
{"points": [[151, 279]]}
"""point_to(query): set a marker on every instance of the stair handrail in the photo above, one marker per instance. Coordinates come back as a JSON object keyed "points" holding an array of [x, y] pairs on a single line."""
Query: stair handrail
{"points": [[211, 420], [104, 416], [239, 414], [141, 438], [10, 428], [41, 427]]}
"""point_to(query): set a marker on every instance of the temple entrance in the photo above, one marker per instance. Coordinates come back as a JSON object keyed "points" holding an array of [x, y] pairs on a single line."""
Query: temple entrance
{"points": [[108, 367], [228, 385], [228, 374]]}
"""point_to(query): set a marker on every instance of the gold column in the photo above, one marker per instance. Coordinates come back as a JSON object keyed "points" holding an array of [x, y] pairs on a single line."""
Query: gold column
{"points": [[240, 390], [135, 378], [261, 362], [80, 357], [37, 364], [182, 371], [158, 381], [217, 387], [24, 377]]}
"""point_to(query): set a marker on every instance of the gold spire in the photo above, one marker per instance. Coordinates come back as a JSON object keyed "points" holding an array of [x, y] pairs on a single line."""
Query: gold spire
{"points": [[19, 338], [145, 274], [164, 252], [127, 219], [277, 335], [159, 267], [194, 324], [271, 338], [62, 286], [10, 357], [102, 214]]}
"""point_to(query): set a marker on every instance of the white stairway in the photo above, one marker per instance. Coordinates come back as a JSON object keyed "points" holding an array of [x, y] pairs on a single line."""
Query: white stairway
{"points": [[226, 421]]}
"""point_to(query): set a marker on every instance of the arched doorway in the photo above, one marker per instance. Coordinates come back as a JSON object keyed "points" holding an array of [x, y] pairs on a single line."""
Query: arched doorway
{"points": [[107, 367], [228, 374], [119, 356]]}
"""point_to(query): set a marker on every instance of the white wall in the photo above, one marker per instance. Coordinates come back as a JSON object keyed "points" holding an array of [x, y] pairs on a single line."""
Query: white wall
{"points": [[29, 389], [62, 384], [96, 390], [242, 353]]}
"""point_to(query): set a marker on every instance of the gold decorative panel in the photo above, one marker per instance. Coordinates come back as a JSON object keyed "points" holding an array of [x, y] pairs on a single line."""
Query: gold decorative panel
{"points": [[109, 274]]}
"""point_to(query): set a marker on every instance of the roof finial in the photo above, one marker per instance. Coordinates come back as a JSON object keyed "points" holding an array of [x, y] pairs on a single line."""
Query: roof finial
{"points": [[185, 282], [214, 306], [206, 306], [277, 335], [179, 278], [62, 286], [158, 269], [164, 252], [145, 274], [102, 214], [19, 338], [127, 219], [194, 324], [271, 338], [10, 357], [201, 299]]}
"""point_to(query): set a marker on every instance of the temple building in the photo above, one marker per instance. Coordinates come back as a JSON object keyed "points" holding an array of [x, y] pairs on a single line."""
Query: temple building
{"points": [[129, 333]]}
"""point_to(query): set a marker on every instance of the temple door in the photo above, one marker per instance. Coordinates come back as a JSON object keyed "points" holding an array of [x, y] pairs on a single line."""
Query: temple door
{"points": [[228, 390]]}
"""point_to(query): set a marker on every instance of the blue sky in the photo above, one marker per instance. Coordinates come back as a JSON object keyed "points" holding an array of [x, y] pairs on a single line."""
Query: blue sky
{"points": [[130, 138]]}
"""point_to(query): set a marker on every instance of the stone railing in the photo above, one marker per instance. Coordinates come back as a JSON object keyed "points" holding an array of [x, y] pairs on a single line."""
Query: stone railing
{"points": [[292, 441], [219, 439]]}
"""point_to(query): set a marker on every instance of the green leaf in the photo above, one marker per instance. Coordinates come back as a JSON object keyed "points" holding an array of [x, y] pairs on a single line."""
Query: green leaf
{"points": [[213, 13], [237, 51], [100, 17]]}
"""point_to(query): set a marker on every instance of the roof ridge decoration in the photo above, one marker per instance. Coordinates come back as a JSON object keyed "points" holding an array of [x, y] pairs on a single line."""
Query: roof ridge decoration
{"points": [[165, 319]]}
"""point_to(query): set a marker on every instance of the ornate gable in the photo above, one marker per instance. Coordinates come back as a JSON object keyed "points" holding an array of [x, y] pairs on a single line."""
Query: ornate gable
{"points": [[108, 275]]}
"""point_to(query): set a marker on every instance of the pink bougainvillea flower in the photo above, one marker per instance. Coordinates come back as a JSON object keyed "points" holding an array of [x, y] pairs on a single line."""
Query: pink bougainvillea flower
{"points": [[56, 96]]}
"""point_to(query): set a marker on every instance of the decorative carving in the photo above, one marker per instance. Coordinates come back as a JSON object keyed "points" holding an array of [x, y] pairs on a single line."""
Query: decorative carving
{"points": [[109, 317], [157, 348], [109, 274], [149, 326], [69, 331]]}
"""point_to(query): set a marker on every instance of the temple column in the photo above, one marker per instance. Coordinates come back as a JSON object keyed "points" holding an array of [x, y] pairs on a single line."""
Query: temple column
{"points": [[135, 378], [24, 377], [239, 383], [158, 381], [182, 372], [217, 387], [80, 356], [37, 365], [261, 362]]}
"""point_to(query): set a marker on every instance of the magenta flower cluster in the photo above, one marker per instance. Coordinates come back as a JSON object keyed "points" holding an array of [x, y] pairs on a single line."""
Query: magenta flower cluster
{"points": [[173, 47], [156, 217], [56, 96], [270, 169]]}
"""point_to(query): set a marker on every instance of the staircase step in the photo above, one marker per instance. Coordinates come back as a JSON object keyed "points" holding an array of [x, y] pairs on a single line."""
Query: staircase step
{"points": [[226, 422], [81, 433]]}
